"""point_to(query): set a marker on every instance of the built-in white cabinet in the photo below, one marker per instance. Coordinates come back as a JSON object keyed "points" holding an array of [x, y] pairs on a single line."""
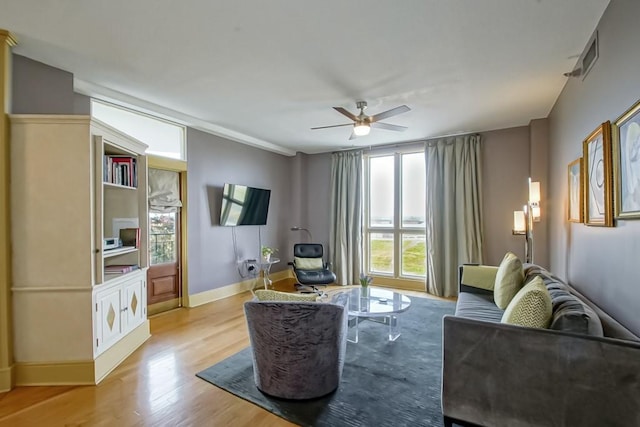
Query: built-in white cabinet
{"points": [[119, 308], [79, 305]]}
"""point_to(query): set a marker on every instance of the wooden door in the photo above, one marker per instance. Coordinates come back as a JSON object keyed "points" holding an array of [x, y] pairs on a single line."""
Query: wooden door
{"points": [[163, 277]]}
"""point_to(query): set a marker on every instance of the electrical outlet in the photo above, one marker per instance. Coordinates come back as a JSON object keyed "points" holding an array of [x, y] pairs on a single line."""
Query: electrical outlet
{"points": [[251, 266]]}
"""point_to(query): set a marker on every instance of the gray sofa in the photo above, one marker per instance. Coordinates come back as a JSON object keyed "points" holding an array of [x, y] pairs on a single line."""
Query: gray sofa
{"points": [[582, 371]]}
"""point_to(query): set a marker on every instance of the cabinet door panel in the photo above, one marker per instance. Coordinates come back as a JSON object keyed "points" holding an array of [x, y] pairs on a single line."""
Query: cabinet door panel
{"points": [[134, 304], [109, 318]]}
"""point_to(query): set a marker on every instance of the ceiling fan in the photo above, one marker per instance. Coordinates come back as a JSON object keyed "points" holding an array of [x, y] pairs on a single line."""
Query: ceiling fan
{"points": [[362, 123]]}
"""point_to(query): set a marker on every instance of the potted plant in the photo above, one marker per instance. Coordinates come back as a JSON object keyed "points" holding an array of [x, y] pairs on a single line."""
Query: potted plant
{"points": [[365, 280], [267, 252]]}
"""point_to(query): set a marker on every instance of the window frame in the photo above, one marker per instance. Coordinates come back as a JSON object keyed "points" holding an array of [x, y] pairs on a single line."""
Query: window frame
{"points": [[395, 279]]}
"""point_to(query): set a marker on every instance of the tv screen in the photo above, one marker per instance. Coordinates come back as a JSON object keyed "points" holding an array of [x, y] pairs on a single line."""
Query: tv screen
{"points": [[242, 205]]}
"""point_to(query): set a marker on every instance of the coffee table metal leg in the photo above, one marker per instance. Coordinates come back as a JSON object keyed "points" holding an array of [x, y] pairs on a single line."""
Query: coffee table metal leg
{"points": [[394, 327]]}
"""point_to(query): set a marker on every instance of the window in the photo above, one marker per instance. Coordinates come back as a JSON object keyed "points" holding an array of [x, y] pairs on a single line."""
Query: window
{"points": [[395, 216], [162, 237], [164, 138]]}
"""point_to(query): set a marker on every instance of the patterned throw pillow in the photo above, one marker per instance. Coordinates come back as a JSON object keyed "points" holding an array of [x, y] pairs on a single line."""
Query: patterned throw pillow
{"points": [[530, 307], [308, 263], [509, 280], [267, 295]]}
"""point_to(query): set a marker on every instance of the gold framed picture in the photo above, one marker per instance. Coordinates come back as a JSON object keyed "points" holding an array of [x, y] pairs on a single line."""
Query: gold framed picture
{"points": [[598, 186], [626, 163], [574, 204]]}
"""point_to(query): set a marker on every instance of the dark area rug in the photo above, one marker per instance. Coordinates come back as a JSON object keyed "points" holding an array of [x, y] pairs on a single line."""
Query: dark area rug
{"points": [[384, 383]]}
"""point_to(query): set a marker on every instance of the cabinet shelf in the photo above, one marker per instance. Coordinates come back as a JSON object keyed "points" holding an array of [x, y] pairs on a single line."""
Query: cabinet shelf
{"points": [[124, 187], [119, 251], [111, 276]]}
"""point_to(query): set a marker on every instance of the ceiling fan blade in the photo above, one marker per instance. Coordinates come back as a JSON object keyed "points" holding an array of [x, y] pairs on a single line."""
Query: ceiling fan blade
{"points": [[332, 126], [346, 113], [390, 113], [387, 126], [353, 136]]}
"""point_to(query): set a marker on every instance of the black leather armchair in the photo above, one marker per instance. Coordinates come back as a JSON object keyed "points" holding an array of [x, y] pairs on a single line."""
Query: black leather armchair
{"points": [[309, 267]]}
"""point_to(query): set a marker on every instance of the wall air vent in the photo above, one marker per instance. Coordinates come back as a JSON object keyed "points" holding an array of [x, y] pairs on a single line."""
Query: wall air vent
{"points": [[590, 55], [587, 59]]}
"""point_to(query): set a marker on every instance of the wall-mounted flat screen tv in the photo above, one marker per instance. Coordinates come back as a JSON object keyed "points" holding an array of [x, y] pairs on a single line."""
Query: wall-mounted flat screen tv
{"points": [[242, 205]]}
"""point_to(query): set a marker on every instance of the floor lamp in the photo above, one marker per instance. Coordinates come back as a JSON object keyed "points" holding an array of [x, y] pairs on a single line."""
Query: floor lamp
{"points": [[523, 220], [303, 229]]}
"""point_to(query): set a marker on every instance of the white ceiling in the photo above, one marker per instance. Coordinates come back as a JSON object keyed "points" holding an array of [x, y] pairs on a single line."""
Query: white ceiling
{"points": [[264, 73]]}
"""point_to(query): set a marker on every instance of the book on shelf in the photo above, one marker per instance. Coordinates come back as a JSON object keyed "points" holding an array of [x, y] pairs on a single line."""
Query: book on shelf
{"points": [[120, 269], [130, 237], [121, 170]]}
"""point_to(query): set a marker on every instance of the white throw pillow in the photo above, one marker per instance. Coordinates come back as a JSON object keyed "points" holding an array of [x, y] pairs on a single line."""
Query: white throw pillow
{"points": [[509, 280]]}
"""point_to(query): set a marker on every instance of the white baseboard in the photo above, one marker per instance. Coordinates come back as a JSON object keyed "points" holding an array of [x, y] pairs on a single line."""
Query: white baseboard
{"points": [[230, 290]]}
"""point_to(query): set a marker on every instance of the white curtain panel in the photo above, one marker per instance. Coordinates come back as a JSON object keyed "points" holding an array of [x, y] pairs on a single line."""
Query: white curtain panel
{"points": [[345, 240], [164, 191], [454, 210]]}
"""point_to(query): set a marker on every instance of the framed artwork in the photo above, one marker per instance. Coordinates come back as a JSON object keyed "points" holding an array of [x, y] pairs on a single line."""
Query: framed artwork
{"points": [[575, 211], [626, 146], [598, 174]]}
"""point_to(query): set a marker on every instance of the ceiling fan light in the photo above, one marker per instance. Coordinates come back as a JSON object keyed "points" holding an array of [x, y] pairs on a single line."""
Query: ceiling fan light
{"points": [[361, 129]]}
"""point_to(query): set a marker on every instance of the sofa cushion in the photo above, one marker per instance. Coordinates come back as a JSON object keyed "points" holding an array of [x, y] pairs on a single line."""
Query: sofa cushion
{"points": [[509, 280], [570, 314], [533, 270], [478, 307], [530, 307]]}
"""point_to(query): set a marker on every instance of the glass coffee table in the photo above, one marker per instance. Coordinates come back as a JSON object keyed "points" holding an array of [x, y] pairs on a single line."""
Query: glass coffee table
{"points": [[379, 305]]}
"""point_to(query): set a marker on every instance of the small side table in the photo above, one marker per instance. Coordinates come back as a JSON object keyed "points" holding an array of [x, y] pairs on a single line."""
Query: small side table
{"points": [[265, 268]]}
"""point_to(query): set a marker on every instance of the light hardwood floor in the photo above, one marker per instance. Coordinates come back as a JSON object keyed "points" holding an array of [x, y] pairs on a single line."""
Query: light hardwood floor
{"points": [[156, 385]]}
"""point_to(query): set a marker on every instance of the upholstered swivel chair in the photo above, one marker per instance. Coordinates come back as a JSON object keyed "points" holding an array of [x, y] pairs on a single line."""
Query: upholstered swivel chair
{"points": [[298, 346], [309, 266]]}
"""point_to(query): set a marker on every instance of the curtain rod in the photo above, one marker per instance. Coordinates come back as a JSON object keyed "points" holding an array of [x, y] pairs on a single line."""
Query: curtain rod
{"points": [[406, 144]]}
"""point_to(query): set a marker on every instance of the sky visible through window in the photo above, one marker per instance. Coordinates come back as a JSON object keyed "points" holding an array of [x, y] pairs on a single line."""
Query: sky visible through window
{"points": [[413, 190], [163, 138]]}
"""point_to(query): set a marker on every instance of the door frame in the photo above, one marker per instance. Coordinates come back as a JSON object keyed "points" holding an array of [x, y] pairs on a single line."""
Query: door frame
{"points": [[180, 166]]}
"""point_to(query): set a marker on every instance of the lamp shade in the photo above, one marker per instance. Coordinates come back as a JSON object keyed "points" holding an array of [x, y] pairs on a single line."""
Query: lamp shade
{"points": [[535, 212], [518, 221], [534, 192]]}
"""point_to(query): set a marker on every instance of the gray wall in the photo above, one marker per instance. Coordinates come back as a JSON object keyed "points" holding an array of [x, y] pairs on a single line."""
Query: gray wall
{"points": [[539, 171], [505, 157], [318, 197], [214, 161], [600, 262], [41, 89]]}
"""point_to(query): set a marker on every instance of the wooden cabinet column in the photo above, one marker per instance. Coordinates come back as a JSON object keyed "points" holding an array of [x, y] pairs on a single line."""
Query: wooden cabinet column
{"points": [[6, 345]]}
